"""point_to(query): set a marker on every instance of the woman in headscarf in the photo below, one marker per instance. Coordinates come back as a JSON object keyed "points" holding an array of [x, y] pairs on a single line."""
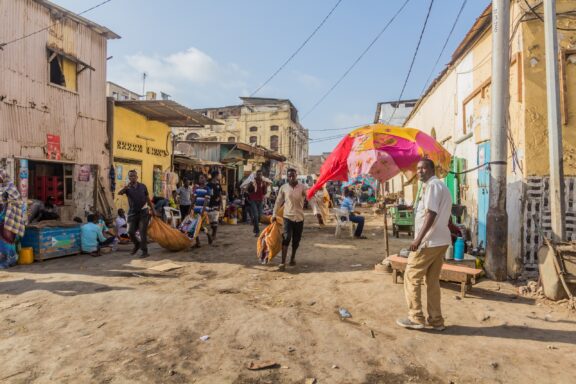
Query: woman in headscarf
{"points": [[12, 220]]}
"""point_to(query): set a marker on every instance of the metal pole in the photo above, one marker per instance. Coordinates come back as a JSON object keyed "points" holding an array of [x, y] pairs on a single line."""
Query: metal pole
{"points": [[497, 220], [557, 204], [386, 246]]}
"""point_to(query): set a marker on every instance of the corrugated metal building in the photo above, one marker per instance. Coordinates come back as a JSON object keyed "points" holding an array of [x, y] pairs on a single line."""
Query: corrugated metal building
{"points": [[53, 103]]}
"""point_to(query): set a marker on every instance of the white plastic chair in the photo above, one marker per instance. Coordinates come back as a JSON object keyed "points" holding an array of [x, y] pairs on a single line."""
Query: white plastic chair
{"points": [[341, 224], [173, 216]]}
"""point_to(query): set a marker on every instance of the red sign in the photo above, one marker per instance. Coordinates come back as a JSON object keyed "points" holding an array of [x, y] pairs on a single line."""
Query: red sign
{"points": [[53, 147]]}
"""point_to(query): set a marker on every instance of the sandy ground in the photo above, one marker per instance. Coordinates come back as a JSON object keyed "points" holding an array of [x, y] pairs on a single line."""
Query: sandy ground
{"points": [[111, 320]]}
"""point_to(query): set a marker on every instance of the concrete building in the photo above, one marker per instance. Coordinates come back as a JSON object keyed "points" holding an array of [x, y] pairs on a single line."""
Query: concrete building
{"points": [[142, 140], [315, 162], [456, 110], [53, 134], [119, 93], [270, 123], [394, 112]]}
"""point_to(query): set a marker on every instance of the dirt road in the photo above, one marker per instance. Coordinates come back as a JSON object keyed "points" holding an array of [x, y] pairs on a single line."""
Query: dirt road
{"points": [[111, 320]]}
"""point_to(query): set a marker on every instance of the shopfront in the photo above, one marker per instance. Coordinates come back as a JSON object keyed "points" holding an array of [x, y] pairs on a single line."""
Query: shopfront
{"points": [[142, 141]]}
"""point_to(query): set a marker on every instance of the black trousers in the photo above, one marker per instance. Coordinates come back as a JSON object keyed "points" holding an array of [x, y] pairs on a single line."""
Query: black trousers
{"points": [[184, 210], [139, 222], [292, 232]]}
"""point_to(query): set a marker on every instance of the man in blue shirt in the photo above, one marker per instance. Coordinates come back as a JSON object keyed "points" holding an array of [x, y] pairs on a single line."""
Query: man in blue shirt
{"points": [[92, 238], [348, 205]]}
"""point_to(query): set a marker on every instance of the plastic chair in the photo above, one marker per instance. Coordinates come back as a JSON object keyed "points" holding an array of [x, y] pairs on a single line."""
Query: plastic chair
{"points": [[173, 216], [341, 224]]}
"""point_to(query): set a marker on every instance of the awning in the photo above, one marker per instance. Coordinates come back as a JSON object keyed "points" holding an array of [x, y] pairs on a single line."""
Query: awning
{"points": [[180, 159], [56, 51], [168, 112]]}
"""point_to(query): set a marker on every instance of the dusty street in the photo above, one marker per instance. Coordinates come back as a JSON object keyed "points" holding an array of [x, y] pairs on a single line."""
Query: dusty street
{"points": [[111, 320]]}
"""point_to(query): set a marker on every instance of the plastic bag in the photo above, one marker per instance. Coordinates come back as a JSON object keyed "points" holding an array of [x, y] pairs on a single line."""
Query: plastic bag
{"points": [[168, 237]]}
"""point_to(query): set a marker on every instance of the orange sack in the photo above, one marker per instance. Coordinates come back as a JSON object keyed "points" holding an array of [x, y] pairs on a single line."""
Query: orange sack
{"points": [[270, 240], [167, 237]]}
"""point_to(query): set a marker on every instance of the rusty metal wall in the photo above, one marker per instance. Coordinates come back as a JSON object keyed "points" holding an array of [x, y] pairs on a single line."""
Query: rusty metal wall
{"points": [[30, 107], [202, 151]]}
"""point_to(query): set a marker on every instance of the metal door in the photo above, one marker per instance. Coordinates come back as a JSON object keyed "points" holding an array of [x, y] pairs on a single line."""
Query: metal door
{"points": [[483, 190]]}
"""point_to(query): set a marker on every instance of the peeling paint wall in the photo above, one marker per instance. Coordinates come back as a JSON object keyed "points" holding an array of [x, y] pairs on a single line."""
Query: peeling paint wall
{"points": [[537, 162]]}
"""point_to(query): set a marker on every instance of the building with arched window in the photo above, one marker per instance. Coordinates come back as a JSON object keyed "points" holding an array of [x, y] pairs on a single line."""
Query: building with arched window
{"points": [[263, 122]]}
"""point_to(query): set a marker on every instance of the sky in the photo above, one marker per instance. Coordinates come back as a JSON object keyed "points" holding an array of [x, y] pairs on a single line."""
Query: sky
{"points": [[209, 53]]}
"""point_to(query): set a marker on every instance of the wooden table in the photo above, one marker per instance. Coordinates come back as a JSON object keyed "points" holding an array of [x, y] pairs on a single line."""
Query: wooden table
{"points": [[464, 275]]}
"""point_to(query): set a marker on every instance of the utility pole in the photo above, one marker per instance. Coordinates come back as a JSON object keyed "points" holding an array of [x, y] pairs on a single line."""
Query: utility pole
{"points": [[497, 220], [557, 204]]}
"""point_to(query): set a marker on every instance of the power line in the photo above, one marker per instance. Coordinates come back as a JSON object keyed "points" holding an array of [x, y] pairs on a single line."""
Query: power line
{"points": [[338, 129], [542, 19], [2, 45], [297, 50], [356, 61], [444, 46], [413, 60]]}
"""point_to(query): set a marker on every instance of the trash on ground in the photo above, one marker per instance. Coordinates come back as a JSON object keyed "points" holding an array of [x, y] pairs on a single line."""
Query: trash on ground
{"points": [[344, 313], [356, 265], [204, 338], [262, 364], [165, 267]]}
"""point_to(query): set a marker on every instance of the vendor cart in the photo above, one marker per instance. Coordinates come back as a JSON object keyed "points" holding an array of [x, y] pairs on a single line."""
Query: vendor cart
{"points": [[402, 220]]}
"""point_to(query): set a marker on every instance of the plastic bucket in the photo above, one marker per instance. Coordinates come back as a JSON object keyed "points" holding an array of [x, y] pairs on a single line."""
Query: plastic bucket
{"points": [[26, 256], [233, 221]]}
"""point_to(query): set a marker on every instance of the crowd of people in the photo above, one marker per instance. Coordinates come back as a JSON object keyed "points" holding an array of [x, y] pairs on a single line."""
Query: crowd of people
{"points": [[200, 206]]}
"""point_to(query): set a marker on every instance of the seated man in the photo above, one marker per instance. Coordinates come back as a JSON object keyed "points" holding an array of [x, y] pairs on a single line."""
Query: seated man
{"points": [[121, 224], [348, 205], [92, 238], [50, 211]]}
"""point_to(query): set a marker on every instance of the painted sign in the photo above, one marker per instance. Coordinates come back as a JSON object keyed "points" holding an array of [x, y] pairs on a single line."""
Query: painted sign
{"points": [[84, 173], [53, 147]]}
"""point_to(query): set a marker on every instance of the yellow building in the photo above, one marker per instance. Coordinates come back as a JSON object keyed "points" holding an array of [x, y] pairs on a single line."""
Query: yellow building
{"points": [[456, 110], [142, 140]]}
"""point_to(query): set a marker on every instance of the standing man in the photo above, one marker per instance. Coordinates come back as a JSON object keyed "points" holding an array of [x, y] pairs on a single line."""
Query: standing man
{"points": [[433, 210], [292, 196], [201, 198], [139, 213], [215, 202], [184, 197], [256, 192]]}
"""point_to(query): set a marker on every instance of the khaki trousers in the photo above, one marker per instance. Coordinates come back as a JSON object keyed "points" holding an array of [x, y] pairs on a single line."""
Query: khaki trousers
{"points": [[424, 266]]}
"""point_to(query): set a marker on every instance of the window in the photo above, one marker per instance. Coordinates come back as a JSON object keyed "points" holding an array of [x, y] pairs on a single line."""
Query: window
{"points": [[231, 139], [62, 71], [253, 140], [253, 129], [192, 136], [274, 128], [274, 143], [68, 183]]}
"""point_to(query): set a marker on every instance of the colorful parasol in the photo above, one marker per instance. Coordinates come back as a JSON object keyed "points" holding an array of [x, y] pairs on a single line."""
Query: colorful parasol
{"points": [[381, 151]]}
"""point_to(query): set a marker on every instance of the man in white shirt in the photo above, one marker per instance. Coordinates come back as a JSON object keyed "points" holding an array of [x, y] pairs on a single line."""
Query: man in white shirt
{"points": [[433, 210], [292, 196]]}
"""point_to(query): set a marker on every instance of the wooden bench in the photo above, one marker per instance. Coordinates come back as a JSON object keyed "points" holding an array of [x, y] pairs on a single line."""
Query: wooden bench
{"points": [[464, 275]]}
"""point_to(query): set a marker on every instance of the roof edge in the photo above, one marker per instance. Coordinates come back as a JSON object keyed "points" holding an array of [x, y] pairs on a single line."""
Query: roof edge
{"points": [[100, 29]]}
